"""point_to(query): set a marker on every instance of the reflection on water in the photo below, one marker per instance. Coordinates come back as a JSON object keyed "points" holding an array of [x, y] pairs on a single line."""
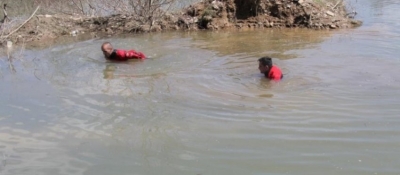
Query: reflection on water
{"points": [[200, 106], [257, 43], [109, 71]]}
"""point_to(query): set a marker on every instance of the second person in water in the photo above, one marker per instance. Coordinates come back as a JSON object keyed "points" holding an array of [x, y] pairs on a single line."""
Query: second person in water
{"points": [[268, 69]]}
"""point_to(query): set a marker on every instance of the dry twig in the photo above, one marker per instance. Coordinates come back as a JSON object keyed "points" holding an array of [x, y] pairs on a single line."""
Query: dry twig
{"points": [[5, 18], [37, 8], [339, 2]]}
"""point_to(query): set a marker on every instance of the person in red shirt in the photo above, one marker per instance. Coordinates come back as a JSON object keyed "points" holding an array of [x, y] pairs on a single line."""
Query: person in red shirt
{"points": [[120, 55], [271, 71]]}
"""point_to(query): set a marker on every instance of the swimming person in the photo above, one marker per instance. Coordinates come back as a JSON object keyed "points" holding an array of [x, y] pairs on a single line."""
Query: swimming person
{"points": [[118, 54], [271, 71]]}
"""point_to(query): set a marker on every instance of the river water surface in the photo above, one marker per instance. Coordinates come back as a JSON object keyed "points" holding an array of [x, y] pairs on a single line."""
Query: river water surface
{"points": [[200, 106]]}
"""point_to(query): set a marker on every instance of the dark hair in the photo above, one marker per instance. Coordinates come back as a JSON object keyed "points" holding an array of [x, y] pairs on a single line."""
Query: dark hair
{"points": [[105, 43], [266, 61]]}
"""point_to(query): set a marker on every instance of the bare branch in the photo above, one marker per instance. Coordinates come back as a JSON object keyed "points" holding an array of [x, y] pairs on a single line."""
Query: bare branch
{"points": [[37, 8], [5, 18]]}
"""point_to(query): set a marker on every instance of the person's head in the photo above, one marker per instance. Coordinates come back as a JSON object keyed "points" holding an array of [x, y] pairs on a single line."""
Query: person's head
{"points": [[107, 49], [264, 64]]}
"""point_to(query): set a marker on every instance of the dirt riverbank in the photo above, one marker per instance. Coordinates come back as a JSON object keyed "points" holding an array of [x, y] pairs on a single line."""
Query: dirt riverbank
{"points": [[206, 15]]}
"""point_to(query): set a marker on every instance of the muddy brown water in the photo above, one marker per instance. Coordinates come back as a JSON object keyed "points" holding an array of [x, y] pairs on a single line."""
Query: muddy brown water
{"points": [[200, 106]]}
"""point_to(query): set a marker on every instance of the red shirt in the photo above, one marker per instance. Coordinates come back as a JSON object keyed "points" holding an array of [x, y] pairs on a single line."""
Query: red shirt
{"points": [[274, 73], [123, 55]]}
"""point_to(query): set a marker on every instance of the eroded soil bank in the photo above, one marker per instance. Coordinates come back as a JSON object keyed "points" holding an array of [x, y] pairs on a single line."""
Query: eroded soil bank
{"points": [[207, 15]]}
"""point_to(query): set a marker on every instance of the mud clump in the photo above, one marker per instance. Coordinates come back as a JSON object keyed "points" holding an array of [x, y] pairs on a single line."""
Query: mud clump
{"points": [[207, 15], [221, 14]]}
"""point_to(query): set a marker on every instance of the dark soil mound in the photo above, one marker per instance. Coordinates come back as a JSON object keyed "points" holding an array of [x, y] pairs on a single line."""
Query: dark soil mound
{"points": [[214, 14]]}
